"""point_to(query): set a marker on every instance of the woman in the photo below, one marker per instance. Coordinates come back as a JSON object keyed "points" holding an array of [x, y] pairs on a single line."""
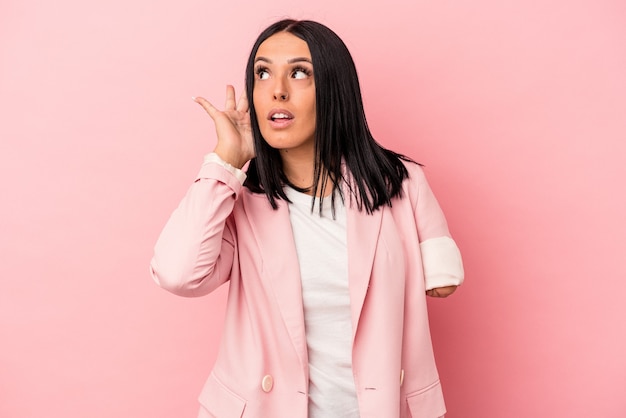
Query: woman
{"points": [[329, 242]]}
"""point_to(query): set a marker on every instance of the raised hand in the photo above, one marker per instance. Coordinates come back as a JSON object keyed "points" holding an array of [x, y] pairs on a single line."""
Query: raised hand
{"points": [[234, 133]]}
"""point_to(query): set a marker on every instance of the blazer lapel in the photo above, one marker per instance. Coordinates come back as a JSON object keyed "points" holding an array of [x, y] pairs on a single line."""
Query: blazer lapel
{"points": [[363, 233], [272, 229]]}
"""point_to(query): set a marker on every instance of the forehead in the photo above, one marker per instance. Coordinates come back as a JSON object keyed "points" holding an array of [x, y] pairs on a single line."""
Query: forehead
{"points": [[283, 45]]}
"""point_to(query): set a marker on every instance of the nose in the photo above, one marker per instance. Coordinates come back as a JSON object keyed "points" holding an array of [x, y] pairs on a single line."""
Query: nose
{"points": [[280, 91]]}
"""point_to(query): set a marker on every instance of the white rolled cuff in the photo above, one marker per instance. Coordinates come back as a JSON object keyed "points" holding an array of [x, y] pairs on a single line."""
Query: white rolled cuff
{"points": [[442, 262], [214, 158]]}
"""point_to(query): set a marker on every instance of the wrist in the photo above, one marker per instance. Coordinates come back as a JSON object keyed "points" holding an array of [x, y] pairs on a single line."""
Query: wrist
{"points": [[215, 158], [232, 158]]}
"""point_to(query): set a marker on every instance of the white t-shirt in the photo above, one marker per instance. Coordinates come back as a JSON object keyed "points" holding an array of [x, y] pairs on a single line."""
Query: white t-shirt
{"points": [[321, 244]]}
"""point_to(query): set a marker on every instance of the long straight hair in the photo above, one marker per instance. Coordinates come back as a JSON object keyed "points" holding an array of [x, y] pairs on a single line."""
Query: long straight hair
{"points": [[374, 174]]}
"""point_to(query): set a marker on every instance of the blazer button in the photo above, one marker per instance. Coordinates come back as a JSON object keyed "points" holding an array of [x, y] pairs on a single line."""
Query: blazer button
{"points": [[267, 383], [401, 377]]}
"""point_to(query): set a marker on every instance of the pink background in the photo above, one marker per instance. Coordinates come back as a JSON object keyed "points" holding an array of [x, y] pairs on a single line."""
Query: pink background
{"points": [[517, 109]]}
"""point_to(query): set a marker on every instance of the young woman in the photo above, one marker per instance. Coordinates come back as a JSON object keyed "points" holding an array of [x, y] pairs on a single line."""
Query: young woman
{"points": [[330, 244]]}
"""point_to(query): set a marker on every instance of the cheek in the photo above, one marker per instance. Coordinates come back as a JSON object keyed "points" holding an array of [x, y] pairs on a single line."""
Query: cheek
{"points": [[311, 106], [313, 113]]}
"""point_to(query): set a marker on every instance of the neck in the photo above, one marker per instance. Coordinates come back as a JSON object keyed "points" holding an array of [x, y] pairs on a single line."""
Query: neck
{"points": [[300, 169]]}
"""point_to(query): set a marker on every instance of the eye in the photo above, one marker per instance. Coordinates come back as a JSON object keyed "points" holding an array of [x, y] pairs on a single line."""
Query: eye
{"points": [[262, 73], [301, 73]]}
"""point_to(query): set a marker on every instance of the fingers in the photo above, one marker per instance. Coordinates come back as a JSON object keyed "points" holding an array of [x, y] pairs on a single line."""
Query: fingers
{"points": [[210, 109], [242, 104], [230, 98]]}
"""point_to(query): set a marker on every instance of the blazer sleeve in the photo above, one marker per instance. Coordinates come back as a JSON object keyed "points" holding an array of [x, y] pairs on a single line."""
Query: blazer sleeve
{"points": [[441, 257], [195, 251]]}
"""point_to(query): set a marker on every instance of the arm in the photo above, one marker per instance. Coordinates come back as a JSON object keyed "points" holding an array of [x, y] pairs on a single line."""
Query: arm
{"points": [[443, 266], [195, 251], [441, 292]]}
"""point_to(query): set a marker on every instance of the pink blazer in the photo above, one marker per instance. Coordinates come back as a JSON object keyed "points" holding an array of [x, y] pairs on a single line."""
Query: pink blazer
{"points": [[222, 232]]}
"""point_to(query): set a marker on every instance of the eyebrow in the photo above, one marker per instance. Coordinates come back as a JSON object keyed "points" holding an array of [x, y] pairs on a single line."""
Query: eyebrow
{"points": [[289, 61]]}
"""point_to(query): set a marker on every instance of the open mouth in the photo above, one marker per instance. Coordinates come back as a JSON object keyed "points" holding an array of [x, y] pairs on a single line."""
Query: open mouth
{"points": [[280, 116]]}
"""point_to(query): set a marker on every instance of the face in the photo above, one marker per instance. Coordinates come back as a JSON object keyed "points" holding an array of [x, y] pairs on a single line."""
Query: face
{"points": [[284, 94]]}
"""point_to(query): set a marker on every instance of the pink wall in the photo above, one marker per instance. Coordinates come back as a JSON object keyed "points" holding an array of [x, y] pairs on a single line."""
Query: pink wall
{"points": [[517, 108]]}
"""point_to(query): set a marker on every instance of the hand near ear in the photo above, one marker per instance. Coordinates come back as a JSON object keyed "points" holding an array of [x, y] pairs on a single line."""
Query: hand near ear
{"points": [[234, 132], [441, 292]]}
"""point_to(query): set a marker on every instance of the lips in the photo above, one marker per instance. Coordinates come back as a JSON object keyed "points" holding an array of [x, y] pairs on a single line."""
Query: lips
{"points": [[280, 118], [278, 114]]}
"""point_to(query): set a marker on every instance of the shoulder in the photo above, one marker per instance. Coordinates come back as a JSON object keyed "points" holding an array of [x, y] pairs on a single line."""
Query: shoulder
{"points": [[415, 180], [414, 169]]}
